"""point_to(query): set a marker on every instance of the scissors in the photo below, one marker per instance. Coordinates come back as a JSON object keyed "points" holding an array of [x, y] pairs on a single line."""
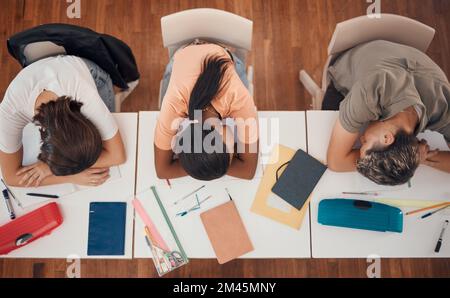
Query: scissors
{"points": [[174, 258]]}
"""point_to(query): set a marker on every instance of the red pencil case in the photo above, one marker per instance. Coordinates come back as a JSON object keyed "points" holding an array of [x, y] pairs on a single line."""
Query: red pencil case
{"points": [[30, 227]]}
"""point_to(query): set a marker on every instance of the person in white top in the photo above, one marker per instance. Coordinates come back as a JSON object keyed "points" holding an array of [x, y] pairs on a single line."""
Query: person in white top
{"points": [[80, 139]]}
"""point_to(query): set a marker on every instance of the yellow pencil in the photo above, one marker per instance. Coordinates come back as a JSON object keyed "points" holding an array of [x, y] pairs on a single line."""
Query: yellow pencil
{"points": [[428, 208], [150, 237]]}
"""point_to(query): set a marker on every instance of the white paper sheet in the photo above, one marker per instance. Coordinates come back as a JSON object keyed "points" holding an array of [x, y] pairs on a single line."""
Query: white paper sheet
{"points": [[278, 203]]}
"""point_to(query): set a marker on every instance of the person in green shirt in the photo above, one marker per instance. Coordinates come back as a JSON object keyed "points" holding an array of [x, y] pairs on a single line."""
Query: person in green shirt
{"points": [[390, 93]]}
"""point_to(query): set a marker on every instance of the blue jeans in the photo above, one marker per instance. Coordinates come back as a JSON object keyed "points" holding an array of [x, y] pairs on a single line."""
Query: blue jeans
{"points": [[238, 64], [104, 84]]}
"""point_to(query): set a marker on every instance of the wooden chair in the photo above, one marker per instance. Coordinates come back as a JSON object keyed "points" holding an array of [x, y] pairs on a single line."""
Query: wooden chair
{"points": [[363, 29]]}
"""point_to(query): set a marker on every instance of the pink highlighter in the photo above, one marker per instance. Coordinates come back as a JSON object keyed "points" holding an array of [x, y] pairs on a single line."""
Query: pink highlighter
{"points": [[150, 225]]}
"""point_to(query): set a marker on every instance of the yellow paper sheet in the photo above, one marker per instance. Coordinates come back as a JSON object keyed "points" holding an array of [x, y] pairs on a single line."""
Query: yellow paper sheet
{"points": [[294, 217], [408, 203]]}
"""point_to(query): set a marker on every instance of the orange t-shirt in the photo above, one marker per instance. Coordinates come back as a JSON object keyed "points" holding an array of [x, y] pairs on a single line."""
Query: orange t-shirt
{"points": [[234, 101]]}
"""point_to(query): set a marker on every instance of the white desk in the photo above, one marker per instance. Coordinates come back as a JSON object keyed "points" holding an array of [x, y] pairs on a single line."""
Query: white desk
{"points": [[419, 237], [71, 237], [270, 239]]}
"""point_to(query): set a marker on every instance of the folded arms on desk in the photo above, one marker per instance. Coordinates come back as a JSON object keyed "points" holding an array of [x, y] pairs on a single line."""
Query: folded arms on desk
{"points": [[39, 174], [242, 165], [440, 161], [343, 158]]}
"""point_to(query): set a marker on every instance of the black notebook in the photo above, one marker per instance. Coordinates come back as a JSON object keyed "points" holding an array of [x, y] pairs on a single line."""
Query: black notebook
{"points": [[299, 179]]}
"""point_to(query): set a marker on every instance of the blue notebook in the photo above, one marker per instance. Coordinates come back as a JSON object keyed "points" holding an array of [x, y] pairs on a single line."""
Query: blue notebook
{"points": [[107, 229]]}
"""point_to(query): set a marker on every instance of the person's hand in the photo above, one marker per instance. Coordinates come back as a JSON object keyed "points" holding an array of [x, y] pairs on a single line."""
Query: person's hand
{"points": [[91, 177], [425, 153], [34, 175]]}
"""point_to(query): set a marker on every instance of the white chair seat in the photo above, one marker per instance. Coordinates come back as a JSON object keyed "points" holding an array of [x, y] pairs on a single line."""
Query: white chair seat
{"points": [[211, 25]]}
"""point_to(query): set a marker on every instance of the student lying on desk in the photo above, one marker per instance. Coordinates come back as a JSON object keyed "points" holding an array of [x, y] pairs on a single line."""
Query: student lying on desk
{"points": [[205, 84], [65, 96], [396, 92]]}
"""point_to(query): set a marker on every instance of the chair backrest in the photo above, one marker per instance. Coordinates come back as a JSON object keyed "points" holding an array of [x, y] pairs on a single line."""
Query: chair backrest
{"points": [[207, 24], [389, 27], [40, 50]]}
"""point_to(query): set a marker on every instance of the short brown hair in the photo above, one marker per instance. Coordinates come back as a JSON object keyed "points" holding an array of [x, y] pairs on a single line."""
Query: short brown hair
{"points": [[394, 165], [70, 142]]}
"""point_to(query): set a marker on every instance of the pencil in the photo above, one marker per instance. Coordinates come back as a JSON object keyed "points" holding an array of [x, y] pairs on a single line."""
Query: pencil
{"points": [[428, 208], [367, 193], [151, 238], [188, 195]]}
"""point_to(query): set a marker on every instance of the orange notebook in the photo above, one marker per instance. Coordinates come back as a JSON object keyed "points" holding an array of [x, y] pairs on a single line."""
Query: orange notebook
{"points": [[227, 232]]}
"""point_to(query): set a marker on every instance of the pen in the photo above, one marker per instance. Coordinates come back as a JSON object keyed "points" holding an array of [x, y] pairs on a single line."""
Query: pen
{"points": [[231, 199], [39, 195], [12, 215], [168, 183], [441, 238], [12, 194], [434, 212], [188, 195]]}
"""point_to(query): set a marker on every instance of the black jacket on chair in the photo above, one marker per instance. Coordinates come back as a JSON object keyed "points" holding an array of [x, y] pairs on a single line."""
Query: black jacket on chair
{"points": [[108, 52]]}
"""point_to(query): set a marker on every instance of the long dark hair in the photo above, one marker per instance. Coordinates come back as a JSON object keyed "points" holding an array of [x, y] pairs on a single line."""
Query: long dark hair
{"points": [[70, 142], [201, 164]]}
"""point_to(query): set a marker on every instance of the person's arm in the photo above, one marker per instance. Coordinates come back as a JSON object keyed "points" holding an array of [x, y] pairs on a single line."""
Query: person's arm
{"points": [[245, 115], [95, 110], [244, 164], [89, 177], [341, 156], [10, 164], [113, 153], [39, 174], [166, 128], [166, 166], [439, 160]]}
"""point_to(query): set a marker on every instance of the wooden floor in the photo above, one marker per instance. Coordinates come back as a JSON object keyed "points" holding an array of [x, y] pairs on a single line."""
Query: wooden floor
{"points": [[289, 35]]}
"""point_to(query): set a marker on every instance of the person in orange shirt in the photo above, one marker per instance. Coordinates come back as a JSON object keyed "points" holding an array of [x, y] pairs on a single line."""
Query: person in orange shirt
{"points": [[208, 126]]}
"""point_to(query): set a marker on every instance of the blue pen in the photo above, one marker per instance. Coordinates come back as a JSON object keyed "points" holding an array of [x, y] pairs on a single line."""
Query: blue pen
{"points": [[434, 212], [12, 215]]}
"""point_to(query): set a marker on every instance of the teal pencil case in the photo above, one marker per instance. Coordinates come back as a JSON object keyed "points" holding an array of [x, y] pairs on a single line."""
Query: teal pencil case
{"points": [[363, 215]]}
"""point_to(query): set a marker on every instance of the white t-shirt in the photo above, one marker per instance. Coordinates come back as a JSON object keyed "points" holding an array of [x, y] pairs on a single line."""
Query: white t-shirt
{"points": [[62, 75]]}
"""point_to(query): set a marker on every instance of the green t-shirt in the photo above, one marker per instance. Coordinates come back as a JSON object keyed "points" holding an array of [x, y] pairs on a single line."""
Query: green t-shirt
{"points": [[381, 79]]}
